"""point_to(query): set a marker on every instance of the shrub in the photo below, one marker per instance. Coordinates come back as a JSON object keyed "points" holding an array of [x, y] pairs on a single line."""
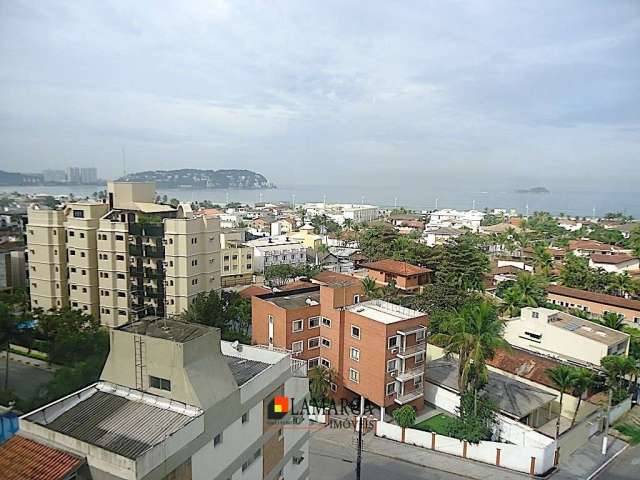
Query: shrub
{"points": [[405, 416]]}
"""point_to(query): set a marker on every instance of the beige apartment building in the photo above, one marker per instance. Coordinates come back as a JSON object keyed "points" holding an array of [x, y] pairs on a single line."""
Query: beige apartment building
{"points": [[124, 259], [236, 259]]}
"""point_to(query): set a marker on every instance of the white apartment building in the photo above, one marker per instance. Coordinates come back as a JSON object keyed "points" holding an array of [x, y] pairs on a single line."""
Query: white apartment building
{"points": [[124, 259], [558, 334], [615, 263], [277, 251], [456, 219], [176, 402], [339, 212]]}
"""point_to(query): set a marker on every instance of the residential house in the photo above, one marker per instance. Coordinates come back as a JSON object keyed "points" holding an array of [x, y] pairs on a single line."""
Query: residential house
{"points": [[596, 304], [439, 235], [447, 217], [585, 248], [175, 402], [564, 336], [614, 263], [403, 275], [339, 212]]}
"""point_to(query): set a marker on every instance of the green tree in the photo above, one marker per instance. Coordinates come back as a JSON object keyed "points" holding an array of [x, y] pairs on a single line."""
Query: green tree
{"points": [[405, 416], [376, 242], [542, 259], [634, 240], [562, 377], [463, 263], [621, 284], [320, 380], [206, 309], [612, 320], [581, 381], [370, 288], [476, 418]]}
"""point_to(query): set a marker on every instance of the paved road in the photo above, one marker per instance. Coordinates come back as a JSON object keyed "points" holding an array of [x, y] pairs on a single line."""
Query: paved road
{"points": [[23, 379], [335, 460], [626, 466]]}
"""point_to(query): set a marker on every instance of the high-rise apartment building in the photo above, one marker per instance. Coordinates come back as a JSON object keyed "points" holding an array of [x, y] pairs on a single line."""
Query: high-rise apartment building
{"points": [[174, 402], [123, 259], [377, 349], [88, 175], [73, 175]]}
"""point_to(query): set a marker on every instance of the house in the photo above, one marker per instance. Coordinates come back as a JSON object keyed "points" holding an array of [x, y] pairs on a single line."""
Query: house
{"points": [[585, 248], [617, 263], [377, 348], [569, 224], [282, 226], [447, 217], [175, 402], [403, 275], [281, 250], [564, 336], [596, 304], [339, 212], [439, 235], [252, 290]]}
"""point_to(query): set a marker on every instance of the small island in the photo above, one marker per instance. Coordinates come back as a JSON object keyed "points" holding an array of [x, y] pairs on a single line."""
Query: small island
{"points": [[196, 178], [533, 190]]}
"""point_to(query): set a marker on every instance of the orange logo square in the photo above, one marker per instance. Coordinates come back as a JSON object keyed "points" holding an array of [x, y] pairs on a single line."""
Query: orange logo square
{"points": [[280, 404]]}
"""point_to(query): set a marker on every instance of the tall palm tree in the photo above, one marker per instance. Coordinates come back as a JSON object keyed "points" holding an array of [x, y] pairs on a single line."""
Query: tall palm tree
{"points": [[370, 288], [612, 320], [530, 290], [622, 284], [511, 302], [562, 377], [542, 259], [582, 380]]}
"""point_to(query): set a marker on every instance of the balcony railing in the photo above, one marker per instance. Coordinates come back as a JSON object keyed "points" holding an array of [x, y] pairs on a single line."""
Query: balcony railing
{"points": [[410, 374], [153, 252], [412, 349], [135, 250], [408, 397]]}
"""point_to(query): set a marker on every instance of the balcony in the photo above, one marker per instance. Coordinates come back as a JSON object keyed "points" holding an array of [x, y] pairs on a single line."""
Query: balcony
{"points": [[412, 349], [402, 399], [146, 229], [410, 374], [136, 272], [153, 252]]}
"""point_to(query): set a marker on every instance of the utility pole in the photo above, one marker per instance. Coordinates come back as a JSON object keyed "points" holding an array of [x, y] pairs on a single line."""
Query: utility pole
{"points": [[605, 438], [359, 457]]}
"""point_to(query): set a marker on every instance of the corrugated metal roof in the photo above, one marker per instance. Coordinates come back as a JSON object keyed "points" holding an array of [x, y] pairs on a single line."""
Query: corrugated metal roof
{"points": [[117, 424], [22, 459], [244, 370]]}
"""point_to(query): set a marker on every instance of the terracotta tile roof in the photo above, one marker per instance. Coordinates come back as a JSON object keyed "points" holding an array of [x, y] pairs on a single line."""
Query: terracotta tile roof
{"points": [[24, 459], [524, 364], [507, 270], [295, 285], [396, 267], [594, 297], [591, 245], [328, 277], [611, 259], [253, 290]]}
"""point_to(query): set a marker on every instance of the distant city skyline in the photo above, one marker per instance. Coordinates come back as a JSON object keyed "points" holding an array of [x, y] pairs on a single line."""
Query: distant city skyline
{"points": [[377, 94]]}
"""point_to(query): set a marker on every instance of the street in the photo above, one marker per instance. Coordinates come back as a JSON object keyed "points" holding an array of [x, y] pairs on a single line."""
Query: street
{"points": [[24, 380], [332, 456], [625, 467]]}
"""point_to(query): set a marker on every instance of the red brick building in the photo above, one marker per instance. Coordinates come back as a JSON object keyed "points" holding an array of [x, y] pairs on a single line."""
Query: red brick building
{"points": [[376, 348]]}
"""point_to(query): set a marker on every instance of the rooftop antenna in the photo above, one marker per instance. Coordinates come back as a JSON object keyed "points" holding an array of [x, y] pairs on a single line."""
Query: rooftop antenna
{"points": [[124, 163], [293, 201], [437, 203], [474, 205], [362, 200], [594, 212]]}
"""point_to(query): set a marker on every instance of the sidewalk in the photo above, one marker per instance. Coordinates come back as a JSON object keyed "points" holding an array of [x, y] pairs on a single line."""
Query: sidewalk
{"points": [[441, 461], [585, 461], [32, 362]]}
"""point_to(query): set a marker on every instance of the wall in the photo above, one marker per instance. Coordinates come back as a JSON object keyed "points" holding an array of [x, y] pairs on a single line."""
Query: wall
{"points": [[616, 412], [513, 457], [595, 308]]}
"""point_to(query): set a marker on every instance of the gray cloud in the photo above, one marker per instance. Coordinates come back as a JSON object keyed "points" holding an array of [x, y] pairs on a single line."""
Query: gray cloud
{"points": [[376, 89]]}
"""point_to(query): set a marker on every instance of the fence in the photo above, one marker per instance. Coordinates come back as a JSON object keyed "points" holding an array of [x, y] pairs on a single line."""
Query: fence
{"points": [[620, 409], [527, 459]]}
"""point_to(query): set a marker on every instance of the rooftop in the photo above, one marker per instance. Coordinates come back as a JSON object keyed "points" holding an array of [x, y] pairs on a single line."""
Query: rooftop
{"points": [[174, 330], [21, 459], [594, 297], [396, 267], [513, 397], [335, 279], [120, 420], [611, 259], [586, 328], [296, 299], [526, 364], [590, 245], [244, 369], [384, 312], [253, 290]]}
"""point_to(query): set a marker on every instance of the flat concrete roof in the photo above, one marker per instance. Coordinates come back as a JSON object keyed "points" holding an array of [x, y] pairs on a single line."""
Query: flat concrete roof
{"points": [[383, 312], [174, 330], [295, 300], [585, 328]]}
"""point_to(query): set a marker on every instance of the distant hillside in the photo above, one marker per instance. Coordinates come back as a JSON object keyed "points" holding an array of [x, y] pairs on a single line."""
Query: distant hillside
{"points": [[194, 178], [17, 179]]}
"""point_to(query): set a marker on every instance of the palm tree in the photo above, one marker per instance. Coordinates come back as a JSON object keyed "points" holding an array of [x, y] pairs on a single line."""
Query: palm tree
{"points": [[348, 224], [529, 289], [511, 302], [622, 284], [542, 259], [612, 320], [582, 380], [562, 377], [370, 288]]}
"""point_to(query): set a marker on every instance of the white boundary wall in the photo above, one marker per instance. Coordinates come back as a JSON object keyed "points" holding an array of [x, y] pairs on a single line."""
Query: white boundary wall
{"points": [[526, 459]]}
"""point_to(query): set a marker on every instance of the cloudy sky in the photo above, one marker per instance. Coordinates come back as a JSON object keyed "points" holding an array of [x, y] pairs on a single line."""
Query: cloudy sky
{"points": [[323, 91]]}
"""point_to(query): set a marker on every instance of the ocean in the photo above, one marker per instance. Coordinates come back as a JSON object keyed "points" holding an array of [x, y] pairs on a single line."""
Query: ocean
{"points": [[565, 197]]}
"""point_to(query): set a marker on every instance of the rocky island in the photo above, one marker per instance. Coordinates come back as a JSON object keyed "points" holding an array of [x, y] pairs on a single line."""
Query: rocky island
{"points": [[533, 190], [196, 178]]}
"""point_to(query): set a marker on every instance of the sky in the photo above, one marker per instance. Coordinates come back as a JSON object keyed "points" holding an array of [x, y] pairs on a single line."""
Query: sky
{"points": [[309, 92]]}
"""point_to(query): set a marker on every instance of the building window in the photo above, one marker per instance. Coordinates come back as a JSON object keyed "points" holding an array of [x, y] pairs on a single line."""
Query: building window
{"points": [[535, 314], [356, 299], [391, 388], [417, 382], [355, 332], [120, 257], [314, 322], [420, 335], [73, 269], [392, 342], [419, 358], [297, 325], [171, 241], [121, 276], [297, 347], [217, 440], [326, 343], [333, 386], [354, 375], [313, 342], [119, 237], [84, 290], [160, 383], [392, 365], [72, 233], [226, 268], [245, 417], [313, 362], [74, 287], [122, 294], [325, 363], [326, 322], [78, 214], [354, 354], [123, 313], [81, 235], [72, 252]]}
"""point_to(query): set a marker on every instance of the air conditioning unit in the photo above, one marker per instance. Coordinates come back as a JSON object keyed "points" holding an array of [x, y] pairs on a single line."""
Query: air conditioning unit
{"points": [[394, 351], [394, 373]]}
